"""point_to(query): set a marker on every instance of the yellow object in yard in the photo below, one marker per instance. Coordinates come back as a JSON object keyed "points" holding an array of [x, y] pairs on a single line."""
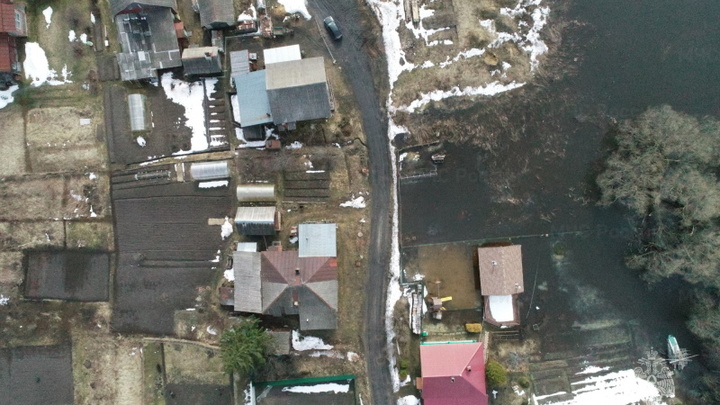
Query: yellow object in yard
{"points": [[473, 327], [445, 299]]}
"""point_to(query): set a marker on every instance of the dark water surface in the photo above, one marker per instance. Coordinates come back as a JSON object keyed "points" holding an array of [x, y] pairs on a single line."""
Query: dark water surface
{"points": [[536, 186]]}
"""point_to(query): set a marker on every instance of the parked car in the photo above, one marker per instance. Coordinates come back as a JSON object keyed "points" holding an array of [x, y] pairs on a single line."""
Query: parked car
{"points": [[332, 28]]}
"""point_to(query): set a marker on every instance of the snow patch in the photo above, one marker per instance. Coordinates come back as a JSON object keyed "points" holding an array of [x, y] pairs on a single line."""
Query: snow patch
{"points": [[92, 18], [4, 301], [295, 145], [48, 12], [141, 141], [227, 228], [622, 387], [38, 69], [213, 184], [229, 275], [211, 330], [592, 370], [301, 343], [489, 89], [190, 96], [314, 389], [71, 36], [409, 400], [296, 6], [6, 96], [358, 202], [246, 16]]}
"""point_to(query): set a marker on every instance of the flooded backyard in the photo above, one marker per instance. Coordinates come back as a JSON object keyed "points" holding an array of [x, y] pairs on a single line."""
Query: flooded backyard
{"points": [[530, 180]]}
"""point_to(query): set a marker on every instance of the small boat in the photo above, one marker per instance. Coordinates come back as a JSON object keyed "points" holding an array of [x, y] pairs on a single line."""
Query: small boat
{"points": [[438, 158], [677, 357]]}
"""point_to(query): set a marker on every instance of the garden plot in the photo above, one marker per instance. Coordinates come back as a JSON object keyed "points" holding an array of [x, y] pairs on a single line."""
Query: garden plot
{"points": [[63, 139], [12, 138]]}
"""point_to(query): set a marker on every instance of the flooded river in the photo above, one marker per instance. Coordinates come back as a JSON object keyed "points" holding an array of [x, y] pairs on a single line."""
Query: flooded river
{"points": [[536, 186]]}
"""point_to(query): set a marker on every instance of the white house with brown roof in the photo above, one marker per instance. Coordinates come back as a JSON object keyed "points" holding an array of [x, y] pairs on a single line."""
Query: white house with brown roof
{"points": [[501, 281]]}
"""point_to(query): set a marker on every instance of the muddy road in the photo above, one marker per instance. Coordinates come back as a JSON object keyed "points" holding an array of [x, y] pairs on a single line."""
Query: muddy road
{"points": [[351, 53]]}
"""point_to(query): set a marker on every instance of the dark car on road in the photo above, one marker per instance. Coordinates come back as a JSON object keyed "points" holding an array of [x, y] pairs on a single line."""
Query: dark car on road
{"points": [[332, 28]]}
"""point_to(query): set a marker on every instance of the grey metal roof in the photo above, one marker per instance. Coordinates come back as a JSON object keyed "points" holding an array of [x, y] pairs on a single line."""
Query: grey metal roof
{"points": [[315, 312], [252, 99], [200, 61], [117, 6], [255, 220], [281, 54], [256, 192], [317, 240], [239, 62], [210, 170], [298, 90], [246, 266], [148, 42], [136, 108], [216, 14]]}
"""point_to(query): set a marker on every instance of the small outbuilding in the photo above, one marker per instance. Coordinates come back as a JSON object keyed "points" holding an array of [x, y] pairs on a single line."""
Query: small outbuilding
{"points": [[501, 281], [202, 61], [256, 192], [317, 240], [210, 170], [252, 98], [260, 221], [239, 62], [281, 54], [216, 14]]}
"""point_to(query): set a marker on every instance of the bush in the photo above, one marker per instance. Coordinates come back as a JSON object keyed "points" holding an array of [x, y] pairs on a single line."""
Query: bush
{"points": [[524, 382], [495, 374]]}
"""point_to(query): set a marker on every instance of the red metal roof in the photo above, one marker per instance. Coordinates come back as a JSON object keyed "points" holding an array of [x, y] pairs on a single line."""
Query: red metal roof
{"points": [[453, 374]]}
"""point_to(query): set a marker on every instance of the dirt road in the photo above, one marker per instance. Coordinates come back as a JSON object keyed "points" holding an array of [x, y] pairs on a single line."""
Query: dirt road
{"points": [[354, 19]]}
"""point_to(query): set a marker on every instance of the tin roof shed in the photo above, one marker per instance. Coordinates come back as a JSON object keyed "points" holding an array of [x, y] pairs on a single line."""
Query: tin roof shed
{"points": [[239, 62], [210, 170], [202, 61], [216, 14], [281, 54], [256, 220], [252, 98], [317, 240]]}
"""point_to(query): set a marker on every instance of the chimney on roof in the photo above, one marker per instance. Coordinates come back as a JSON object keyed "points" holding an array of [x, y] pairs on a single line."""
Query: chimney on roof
{"points": [[208, 55], [469, 369], [452, 379], [494, 263]]}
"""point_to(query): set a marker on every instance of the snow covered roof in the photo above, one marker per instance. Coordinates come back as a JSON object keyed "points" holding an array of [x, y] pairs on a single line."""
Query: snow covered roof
{"points": [[501, 310], [453, 373], [317, 240], [501, 271]]}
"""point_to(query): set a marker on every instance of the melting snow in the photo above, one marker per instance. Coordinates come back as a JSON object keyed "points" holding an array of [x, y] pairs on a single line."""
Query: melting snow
{"points": [[190, 96], [314, 389], [211, 330], [245, 16], [6, 96], [48, 12], [71, 36], [593, 370], [4, 300], [38, 69], [358, 202], [622, 387], [229, 274], [141, 141], [296, 6], [92, 18], [227, 228], [308, 342], [213, 184], [295, 145], [490, 89], [409, 400]]}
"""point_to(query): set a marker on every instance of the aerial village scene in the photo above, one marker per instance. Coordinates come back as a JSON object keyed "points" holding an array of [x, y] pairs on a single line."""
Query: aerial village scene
{"points": [[350, 202]]}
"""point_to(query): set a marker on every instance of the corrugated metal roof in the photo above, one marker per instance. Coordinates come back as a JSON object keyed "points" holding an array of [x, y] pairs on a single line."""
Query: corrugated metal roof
{"points": [[148, 42], [201, 61], [136, 108], [253, 100], [298, 91], [116, 6], [255, 220], [317, 240], [296, 73], [248, 297], [239, 62], [210, 170], [247, 247], [501, 271], [453, 374], [216, 13], [281, 54], [256, 192]]}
